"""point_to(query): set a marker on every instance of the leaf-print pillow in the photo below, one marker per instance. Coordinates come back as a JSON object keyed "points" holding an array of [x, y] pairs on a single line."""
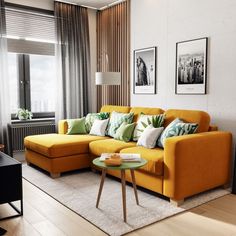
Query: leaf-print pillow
{"points": [[145, 120], [116, 120], [91, 117], [176, 128]]}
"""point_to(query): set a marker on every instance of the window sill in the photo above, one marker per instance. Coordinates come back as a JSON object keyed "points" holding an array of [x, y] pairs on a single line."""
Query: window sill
{"points": [[32, 120]]}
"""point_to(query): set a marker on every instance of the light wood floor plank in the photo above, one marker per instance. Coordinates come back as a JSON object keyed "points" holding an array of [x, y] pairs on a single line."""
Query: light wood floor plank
{"points": [[19, 226], [48, 229]]}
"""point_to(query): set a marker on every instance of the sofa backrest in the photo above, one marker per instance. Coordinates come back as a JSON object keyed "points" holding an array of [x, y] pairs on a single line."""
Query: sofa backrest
{"points": [[110, 108], [191, 116], [146, 110]]}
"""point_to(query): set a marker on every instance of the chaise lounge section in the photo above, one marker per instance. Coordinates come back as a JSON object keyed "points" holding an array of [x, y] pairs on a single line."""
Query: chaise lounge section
{"points": [[188, 164], [57, 153]]}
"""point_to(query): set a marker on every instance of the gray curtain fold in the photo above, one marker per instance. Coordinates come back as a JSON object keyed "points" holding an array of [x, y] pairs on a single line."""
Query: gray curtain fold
{"points": [[5, 114], [73, 60]]}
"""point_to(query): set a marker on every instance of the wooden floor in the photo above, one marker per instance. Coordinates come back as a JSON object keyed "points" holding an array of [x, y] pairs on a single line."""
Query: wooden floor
{"points": [[45, 216]]}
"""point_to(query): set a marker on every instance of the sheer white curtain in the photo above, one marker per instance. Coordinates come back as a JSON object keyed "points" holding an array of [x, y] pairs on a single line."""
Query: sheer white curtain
{"points": [[5, 114]]}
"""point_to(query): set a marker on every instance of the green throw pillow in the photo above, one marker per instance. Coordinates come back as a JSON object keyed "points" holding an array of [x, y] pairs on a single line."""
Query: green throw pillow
{"points": [[91, 117], [145, 120], [76, 126], [176, 128], [116, 120], [124, 132]]}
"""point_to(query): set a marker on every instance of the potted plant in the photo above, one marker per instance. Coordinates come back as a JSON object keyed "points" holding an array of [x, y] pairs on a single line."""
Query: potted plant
{"points": [[24, 114]]}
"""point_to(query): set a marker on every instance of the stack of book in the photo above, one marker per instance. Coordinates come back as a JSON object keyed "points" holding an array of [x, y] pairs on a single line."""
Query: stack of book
{"points": [[126, 157]]}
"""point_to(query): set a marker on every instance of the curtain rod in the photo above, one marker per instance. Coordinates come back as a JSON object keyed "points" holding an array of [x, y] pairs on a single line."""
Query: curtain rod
{"points": [[73, 3], [112, 4], [94, 8]]}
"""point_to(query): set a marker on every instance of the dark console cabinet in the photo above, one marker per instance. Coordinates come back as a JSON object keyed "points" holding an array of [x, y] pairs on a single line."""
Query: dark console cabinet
{"points": [[10, 183], [234, 179]]}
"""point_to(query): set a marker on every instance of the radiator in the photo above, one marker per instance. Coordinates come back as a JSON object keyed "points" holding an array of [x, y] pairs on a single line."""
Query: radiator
{"points": [[19, 131]]}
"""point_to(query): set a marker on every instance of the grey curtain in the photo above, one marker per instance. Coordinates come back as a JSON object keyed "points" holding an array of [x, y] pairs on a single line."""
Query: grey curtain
{"points": [[73, 60], [5, 114]]}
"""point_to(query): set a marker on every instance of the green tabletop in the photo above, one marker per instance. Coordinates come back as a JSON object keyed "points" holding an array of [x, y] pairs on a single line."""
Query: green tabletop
{"points": [[123, 166]]}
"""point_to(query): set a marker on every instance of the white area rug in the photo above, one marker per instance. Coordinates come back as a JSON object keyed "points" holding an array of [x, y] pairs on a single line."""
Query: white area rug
{"points": [[78, 191]]}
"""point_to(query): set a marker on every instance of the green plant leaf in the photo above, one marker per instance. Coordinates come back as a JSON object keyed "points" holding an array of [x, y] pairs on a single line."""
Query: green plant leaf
{"points": [[144, 125]]}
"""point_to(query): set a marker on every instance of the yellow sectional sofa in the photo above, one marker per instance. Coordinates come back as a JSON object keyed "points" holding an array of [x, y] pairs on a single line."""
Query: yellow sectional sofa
{"points": [[188, 164]]}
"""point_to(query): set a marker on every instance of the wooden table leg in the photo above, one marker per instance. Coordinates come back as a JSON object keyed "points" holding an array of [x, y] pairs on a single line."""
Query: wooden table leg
{"points": [[101, 186], [123, 194], [134, 185]]}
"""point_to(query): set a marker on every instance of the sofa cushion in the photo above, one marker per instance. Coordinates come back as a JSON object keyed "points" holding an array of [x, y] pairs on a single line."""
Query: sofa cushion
{"points": [[149, 137], [125, 132], [154, 157], [189, 116], [59, 145], [145, 110], [99, 127], [76, 126], [108, 146], [145, 120], [91, 117], [116, 119], [110, 109], [176, 128]]}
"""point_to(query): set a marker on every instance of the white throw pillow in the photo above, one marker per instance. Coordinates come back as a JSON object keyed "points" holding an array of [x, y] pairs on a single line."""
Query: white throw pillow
{"points": [[149, 137], [99, 127]]}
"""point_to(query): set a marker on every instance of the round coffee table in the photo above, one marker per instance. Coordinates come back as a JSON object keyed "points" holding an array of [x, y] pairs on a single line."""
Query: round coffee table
{"points": [[122, 168]]}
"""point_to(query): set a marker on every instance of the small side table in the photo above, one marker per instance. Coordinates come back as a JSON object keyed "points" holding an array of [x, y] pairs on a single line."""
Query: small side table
{"points": [[2, 147], [122, 168]]}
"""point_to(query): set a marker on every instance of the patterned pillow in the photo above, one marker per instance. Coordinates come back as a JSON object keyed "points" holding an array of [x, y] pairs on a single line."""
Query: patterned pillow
{"points": [[91, 117], [176, 128], [116, 120], [144, 120]]}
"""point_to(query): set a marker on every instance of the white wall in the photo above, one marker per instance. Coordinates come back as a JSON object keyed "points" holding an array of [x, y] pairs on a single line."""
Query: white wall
{"points": [[49, 5], [162, 23]]}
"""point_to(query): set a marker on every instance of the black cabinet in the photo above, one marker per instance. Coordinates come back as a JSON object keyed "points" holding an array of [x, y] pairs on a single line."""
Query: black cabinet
{"points": [[234, 179], [10, 183]]}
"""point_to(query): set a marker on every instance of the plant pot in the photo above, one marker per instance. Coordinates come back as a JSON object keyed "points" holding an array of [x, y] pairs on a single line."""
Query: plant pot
{"points": [[22, 117]]}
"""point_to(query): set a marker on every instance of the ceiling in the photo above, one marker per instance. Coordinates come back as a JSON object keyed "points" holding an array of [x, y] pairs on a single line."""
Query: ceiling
{"points": [[94, 3]]}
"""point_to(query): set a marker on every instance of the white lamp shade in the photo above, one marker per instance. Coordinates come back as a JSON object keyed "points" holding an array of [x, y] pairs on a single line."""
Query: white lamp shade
{"points": [[108, 78]]}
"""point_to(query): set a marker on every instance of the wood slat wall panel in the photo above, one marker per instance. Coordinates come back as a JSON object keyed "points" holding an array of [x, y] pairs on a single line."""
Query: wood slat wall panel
{"points": [[113, 39]]}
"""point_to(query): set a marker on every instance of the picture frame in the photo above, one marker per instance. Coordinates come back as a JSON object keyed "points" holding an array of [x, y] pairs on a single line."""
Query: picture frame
{"points": [[191, 67], [145, 67]]}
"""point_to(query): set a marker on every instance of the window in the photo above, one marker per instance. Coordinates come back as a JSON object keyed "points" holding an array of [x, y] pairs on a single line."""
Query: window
{"points": [[32, 82], [42, 83], [31, 60]]}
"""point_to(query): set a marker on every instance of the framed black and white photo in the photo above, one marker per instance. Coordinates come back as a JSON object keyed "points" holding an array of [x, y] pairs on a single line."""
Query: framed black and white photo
{"points": [[145, 71], [191, 66]]}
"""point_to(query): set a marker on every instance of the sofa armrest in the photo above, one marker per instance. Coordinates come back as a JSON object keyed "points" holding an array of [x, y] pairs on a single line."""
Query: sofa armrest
{"points": [[62, 127], [195, 163]]}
